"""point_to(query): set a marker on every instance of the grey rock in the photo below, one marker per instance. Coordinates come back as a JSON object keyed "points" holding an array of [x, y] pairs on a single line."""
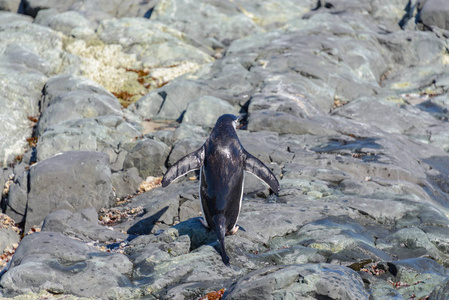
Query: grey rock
{"points": [[48, 47], [153, 257], [436, 106], [298, 281], [441, 291], [230, 79], [412, 48], [319, 88], [9, 5], [224, 24], [82, 225], [284, 123], [86, 103], [24, 65], [206, 110], [170, 101], [184, 147], [418, 276], [189, 132], [126, 182], [160, 209], [60, 84], [83, 104], [409, 120], [151, 249], [18, 54], [70, 23], [434, 13], [100, 9], [407, 117], [266, 146], [62, 182], [8, 238], [53, 262], [16, 203], [32, 7], [148, 156], [14, 130], [186, 139], [8, 17], [148, 38], [93, 10], [109, 134]]}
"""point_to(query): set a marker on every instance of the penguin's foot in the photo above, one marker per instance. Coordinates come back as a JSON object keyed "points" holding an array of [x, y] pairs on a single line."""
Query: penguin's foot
{"points": [[233, 230], [204, 222]]}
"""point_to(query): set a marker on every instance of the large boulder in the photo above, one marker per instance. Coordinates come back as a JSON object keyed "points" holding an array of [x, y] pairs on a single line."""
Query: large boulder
{"points": [[56, 263], [299, 281], [434, 13], [64, 181]]}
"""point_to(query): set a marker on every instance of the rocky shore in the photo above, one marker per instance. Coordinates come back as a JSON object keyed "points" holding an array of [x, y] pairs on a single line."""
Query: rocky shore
{"points": [[346, 101]]}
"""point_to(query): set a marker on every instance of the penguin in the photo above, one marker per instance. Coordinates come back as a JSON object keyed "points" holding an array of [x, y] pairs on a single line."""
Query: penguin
{"points": [[222, 161]]}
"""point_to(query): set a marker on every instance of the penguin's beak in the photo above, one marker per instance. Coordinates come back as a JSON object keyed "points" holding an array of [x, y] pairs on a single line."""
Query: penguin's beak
{"points": [[239, 122]]}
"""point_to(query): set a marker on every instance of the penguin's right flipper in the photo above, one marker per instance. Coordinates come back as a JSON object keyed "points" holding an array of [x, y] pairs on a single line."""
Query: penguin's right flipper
{"points": [[256, 167], [190, 162]]}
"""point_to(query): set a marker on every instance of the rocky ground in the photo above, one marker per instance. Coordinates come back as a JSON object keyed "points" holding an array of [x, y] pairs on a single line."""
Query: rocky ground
{"points": [[346, 101]]}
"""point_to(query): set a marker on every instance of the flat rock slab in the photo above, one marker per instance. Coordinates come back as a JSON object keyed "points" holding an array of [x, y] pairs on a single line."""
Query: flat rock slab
{"points": [[56, 263], [309, 281], [82, 225]]}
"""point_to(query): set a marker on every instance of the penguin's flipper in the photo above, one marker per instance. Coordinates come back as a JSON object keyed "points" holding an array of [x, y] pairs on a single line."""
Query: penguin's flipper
{"points": [[190, 162], [255, 166]]}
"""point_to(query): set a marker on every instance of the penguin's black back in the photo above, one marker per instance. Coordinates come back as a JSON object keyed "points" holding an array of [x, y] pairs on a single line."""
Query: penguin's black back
{"points": [[222, 176]]}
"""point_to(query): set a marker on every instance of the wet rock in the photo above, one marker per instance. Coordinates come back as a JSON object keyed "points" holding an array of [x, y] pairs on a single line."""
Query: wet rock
{"points": [[150, 249], [203, 264], [417, 276], [67, 266], [293, 281]]}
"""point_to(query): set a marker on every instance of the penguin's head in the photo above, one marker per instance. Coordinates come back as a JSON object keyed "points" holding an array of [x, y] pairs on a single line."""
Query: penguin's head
{"points": [[229, 120]]}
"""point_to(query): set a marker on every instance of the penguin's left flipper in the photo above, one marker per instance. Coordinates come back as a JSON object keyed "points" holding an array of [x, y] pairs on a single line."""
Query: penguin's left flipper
{"points": [[255, 166], [190, 162]]}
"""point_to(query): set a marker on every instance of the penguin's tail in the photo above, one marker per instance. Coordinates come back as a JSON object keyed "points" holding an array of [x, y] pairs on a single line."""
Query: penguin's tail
{"points": [[220, 230]]}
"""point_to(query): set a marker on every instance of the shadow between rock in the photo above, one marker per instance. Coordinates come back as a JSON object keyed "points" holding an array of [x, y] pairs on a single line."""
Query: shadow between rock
{"points": [[145, 226]]}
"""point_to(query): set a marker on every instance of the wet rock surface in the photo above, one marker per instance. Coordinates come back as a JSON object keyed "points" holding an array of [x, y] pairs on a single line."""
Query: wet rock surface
{"points": [[347, 103]]}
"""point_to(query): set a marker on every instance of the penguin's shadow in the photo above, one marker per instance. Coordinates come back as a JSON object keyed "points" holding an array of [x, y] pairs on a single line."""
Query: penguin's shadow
{"points": [[145, 226], [198, 234]]}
